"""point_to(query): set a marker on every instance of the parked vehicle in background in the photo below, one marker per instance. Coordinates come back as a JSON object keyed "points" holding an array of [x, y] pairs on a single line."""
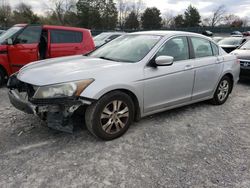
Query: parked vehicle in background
{"points": [[246, 33], [217, 39], [24, 43], [236, 33], [106, 37], [1, 32], [231, 43], [207, 33], [243, 54], [133, 76]]}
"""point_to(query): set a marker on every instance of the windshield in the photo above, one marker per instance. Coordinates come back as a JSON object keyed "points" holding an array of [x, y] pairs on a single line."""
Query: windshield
{"points": [[230, 41], [246, 46], [9, 33], [127, 48]]}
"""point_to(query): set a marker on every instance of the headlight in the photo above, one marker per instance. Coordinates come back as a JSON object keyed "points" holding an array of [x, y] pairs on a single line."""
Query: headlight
{"points": [[62, 90]]}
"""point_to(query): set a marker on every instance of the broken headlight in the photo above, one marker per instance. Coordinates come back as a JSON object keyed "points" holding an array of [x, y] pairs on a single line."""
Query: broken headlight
{"points": [[62, 90]]}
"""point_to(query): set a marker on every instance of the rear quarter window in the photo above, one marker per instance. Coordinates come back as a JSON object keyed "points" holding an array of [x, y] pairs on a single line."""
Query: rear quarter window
{"points": [[64, 36]]}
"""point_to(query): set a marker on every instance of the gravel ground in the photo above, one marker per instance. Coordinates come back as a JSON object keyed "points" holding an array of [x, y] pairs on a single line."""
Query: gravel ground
{"points": [[196, 146]]}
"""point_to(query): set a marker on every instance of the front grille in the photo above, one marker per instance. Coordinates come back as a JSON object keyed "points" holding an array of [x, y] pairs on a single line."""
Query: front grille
{"points": [[55, 101], [245, 63]]}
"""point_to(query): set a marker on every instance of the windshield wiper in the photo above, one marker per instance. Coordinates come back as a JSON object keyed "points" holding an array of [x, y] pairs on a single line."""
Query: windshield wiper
{"points": [[116, 60], [109, 59]]}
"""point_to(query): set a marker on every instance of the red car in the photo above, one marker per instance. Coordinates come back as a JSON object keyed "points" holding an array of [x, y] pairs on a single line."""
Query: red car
{"points": [[24, 43]]}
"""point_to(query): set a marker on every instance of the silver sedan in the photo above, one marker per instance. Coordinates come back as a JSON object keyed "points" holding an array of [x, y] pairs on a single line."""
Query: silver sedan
{"points": [[133, 76]]}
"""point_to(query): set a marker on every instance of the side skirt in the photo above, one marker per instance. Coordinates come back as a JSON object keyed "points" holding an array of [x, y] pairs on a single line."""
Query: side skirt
{"points": [[176, 106]]}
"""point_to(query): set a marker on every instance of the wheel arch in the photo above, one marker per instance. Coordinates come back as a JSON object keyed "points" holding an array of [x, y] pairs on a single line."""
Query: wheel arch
{"points": [[135, 101], [134, 98]]}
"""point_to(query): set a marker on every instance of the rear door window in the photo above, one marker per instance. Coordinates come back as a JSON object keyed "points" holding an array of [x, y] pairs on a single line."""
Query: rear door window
{"points": [[202, 47], [63, 36]]}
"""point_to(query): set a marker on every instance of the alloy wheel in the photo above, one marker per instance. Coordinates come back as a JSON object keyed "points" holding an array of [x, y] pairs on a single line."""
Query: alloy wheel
{"points": [[223, 90], [114, 116]]}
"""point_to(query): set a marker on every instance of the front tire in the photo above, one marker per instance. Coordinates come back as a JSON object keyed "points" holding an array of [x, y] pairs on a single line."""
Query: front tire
{"points": [[222, 91], [110, 116], [2, 77]]}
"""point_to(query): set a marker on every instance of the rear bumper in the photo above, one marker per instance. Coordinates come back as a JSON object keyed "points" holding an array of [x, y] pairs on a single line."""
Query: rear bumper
{"points": [[20, 104]]}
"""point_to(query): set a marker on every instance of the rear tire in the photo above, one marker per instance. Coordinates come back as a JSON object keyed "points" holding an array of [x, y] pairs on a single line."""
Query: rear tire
{"points": [[110, 116], [222, 91]]}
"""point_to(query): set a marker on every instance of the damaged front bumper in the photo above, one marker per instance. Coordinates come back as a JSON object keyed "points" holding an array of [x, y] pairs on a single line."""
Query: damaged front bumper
{"points": [[20, 104], [56, 111]]}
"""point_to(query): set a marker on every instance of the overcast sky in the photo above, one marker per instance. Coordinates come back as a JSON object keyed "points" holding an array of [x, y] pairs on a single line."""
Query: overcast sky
{"points": [[238, 7]]}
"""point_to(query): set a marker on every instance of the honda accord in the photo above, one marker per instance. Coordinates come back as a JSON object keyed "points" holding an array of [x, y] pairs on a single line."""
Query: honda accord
{"points": [[131, 77]]}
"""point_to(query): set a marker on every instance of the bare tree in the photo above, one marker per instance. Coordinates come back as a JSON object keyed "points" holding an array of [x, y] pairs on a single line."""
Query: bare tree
{"points": [[218, 15], [138, 6], [246, 21], [5, 13], [168, 19], [205, 22], [60, 9], [23, 13], [125, 7], [123, 11], [229, 19]]}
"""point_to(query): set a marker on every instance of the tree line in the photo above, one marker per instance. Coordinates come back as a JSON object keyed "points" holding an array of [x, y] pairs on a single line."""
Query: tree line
{"points": [[110, 14]]}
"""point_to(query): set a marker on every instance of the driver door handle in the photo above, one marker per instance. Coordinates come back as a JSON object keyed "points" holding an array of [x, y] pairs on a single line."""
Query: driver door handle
{"points": [[188, 67]]}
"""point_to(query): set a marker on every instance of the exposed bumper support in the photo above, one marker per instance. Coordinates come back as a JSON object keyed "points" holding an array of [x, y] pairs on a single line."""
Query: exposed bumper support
{"points": [[58, 113]]}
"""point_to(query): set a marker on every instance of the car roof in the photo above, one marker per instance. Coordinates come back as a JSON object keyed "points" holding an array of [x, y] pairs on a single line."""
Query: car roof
{"points": [[20, 25], [168, 33], [55, 27], [113, 33], [64, 28]]}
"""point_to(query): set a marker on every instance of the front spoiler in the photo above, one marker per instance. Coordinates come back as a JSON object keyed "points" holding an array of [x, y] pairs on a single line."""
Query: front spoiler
{"points": [[20, 104]]}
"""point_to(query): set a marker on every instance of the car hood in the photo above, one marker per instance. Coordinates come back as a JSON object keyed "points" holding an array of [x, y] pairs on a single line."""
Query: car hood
{"points": [[242, 54], [61, 70]]}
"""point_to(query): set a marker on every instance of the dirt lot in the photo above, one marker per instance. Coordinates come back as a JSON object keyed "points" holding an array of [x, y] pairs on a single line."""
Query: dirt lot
{"points": [[195, 146]]}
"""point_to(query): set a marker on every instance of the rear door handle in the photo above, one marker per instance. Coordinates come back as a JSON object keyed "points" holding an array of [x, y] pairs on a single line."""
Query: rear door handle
{"points": [[220, 60], [187, 67]]}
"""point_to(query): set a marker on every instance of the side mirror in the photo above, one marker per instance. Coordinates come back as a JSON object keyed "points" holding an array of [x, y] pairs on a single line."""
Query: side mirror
{"points": [[164, 60], [9, 41]]}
